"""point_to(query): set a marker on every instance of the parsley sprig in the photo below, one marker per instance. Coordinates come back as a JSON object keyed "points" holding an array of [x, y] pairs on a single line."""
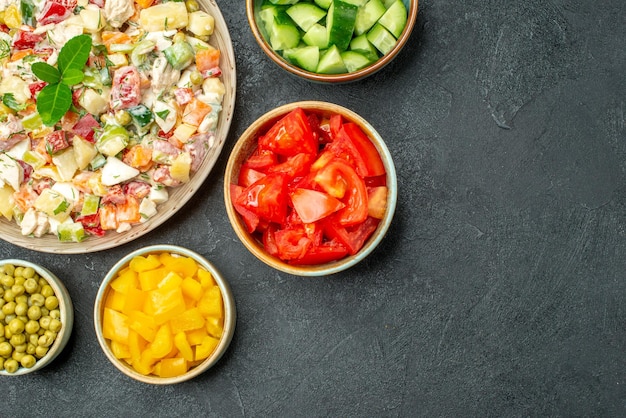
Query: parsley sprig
{"points": [[54, 100]]}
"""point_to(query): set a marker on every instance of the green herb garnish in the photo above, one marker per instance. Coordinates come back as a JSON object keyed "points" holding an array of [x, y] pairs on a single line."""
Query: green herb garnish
{"points": [[9, 101], [55, 99]]}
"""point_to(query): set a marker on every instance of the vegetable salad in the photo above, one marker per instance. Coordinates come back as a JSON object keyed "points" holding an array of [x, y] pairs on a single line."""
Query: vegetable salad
{"points": [[105, 106]]}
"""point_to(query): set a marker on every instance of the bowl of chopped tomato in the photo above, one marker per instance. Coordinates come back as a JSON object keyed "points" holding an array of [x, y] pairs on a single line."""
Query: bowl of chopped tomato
{"points": [[310, 188]]}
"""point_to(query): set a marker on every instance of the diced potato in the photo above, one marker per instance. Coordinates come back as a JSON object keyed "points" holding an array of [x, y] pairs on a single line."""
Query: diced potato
{"points": [[93, 19], [84, 152], [16, 86], [7, 202], [115, 172], [94, 102], [65, 162], [53, 204], [165, 16], [213, 90], [118, 60], [184, 131], [201, 23], [11, 172], [180, 168]]}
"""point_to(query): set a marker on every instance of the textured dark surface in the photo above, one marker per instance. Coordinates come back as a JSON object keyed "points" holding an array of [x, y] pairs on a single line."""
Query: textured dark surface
{"points": [[500, 289]]}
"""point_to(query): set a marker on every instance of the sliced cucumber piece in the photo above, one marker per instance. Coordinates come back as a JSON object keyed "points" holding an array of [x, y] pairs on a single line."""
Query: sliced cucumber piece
{"points": [[340, 23], [316, 36], [381, 38], [368, 15], [324, 4], [269, 13], [284, 36], [354, 61], [388, 3], [331, 62], [305, 15], [361, 45], [306, 57], [394, 18]]}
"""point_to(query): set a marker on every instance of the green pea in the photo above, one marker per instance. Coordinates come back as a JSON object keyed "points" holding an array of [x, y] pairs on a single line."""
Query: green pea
{"points": [[17, 339], [34, 312], [55, 325], [55, 313], [47, 291], [30, 348], [31, 285], [22, 299], [44, 322], [33, 338], [17, 355], [7, 281], [1, 329], [18, 272], [28, 272], [41, 351], [31, 327], [8, 269], [9, 295], [9, 308], [52, 302], [45, 311], [11, 365], [21, 308], [45, 341], [1, 363], [16, 326], [5, 349], [28, 361], [20, 348], [18, 289], [36, 300], [192, 6]]}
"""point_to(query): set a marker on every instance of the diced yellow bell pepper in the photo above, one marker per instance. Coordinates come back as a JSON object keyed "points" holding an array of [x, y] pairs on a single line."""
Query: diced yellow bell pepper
{"points": [[148, 280], [189, 320], [115, 300], [194, 337], [172, 367], [163, 342], [207, 347], [136, 345], [180, 341], [134, 300], [184, 266], [125, 280], [141, 263], [143, 324], [164, 304], [120, 351], [145, 363], [206, 278], [192, 288], [215, 326], [171, 281], [211, 303], [115, 326]]}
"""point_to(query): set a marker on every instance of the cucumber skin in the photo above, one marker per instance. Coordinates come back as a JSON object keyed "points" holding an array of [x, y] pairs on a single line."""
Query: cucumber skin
{"points": [[340, 23]]}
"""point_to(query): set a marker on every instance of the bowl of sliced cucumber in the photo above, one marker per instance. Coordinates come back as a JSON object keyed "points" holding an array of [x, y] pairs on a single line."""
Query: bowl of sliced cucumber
{"points": [[332, 41]]}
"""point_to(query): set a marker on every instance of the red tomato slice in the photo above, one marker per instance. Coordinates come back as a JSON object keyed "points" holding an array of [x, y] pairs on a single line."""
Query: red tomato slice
{"points": [[290, 135], [267, 198], [323, 253], [295, 166], [292, 242], [250, 219], [366, 149], [262, 160], [353, 238], [312, 205], [269, 242], [335, 125], [377, 201], [338, 176], [248, 176]]}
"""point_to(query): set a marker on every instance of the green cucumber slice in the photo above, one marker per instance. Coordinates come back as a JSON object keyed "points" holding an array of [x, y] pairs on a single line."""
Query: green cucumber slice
{"points": [[316, 36], [368, 15], [394, 18], [354, 61], [361, 45], [284, 36], [357, 3], [331, 62], [340, 23], [324, 4], [306, 57], [284, 1], [305, 15], [388, 3], [381, 38]]}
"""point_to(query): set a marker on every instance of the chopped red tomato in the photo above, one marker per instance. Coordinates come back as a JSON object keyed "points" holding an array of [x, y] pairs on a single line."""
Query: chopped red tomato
{"points": [[262, 160], [377, 201], [250, 219], [324, 253], [295, 166], [290, 135], [353, 238], [36, 87], [26, 39], [340, 180], [85, 127], [365, 148], [312, 205], [56, 11], [267, 197], [292, 243], [335, 123], [248, 175]]}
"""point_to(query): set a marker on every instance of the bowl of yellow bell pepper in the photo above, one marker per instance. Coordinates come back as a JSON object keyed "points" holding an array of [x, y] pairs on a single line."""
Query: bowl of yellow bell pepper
{"points": [[164, 314]]}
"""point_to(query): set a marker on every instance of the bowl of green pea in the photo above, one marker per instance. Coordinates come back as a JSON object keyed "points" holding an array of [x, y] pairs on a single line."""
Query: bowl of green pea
{"points": [[36, 317]]}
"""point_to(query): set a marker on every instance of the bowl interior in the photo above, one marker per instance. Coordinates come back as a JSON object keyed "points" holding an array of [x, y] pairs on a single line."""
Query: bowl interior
{"points": [[230, 315], [246, 145], [67, 316], [253, 7]]}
